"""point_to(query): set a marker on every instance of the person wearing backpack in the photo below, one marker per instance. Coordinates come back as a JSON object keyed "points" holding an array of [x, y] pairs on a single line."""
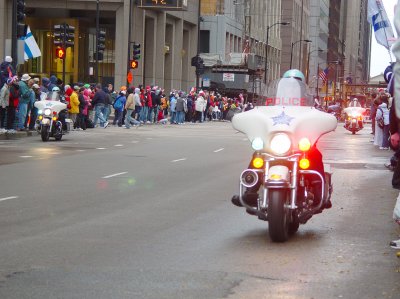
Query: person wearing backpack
{"points": [[119, 105]]}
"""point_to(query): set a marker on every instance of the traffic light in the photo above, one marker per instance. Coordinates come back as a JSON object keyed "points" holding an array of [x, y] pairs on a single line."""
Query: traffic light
{"points": [[133, 64], [69, 35], [21, 26], [58, 35], [136, 51], [101, 40], [198, 62], [60, 52]]}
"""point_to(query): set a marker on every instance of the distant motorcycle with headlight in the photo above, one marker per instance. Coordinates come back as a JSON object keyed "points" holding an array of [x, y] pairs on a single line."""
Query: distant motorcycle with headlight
{"points": [[49, 122], [354, 120], [286, 182]]}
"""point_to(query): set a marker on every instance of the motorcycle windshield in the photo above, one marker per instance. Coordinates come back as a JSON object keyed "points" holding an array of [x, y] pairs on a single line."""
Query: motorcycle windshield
{"points": [[288, 92]]}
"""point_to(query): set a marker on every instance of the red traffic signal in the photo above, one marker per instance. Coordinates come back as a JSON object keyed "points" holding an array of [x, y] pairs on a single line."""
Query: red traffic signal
{"points": [[60, 53], [133, 64]]}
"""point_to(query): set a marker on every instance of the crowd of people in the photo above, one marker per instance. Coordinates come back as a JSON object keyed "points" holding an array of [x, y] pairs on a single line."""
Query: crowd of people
{"points": [[91, 106]]}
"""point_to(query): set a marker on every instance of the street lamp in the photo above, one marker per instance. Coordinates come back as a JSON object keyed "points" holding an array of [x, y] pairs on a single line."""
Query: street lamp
{"points": [[291, 51], [266, 47], [308, 62]]}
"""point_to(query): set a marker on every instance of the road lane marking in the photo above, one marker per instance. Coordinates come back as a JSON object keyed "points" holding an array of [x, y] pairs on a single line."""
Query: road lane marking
{"points": [[80, 150], [26, 156], [178, 160], [113, 175], [218, 150], [119, 145], [101, 148], [7, 198]]}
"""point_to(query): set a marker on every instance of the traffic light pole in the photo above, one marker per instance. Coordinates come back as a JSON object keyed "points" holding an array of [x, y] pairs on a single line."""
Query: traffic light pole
{"points": [[97, 41], [129, 39], [14, 53], [65, 49], [198, 47]]}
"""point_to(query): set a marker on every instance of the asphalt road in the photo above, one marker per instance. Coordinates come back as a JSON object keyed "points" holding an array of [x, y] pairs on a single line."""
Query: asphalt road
{"points": [[146, 213]]}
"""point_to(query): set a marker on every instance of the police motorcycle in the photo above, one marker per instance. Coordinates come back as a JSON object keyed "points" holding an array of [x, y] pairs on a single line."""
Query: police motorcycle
{"points": [[286, 182], [354, 117], [51, 120]]}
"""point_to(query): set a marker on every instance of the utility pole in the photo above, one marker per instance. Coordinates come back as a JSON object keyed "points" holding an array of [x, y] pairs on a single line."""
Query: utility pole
{"points": [[198, 46], [97, 40], [129, 39], [14, 35]]}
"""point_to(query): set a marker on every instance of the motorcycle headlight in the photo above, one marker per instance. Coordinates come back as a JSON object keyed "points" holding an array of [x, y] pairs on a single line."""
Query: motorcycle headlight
{"points": [[47, 112], [257, 144], [280, 144]]}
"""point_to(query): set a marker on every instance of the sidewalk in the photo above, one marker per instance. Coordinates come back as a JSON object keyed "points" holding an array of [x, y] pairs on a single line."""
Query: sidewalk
{"points": [[16, 135]]}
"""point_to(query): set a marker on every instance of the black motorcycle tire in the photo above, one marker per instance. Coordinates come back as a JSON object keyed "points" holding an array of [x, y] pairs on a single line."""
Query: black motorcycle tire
{"points": [[45, 133], [278, 215], [294, 224]]}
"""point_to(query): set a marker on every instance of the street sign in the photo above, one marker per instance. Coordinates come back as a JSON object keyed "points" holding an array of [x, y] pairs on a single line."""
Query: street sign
{"points": [[129, 78], [163, 4], [206, 82], [228, 77]]}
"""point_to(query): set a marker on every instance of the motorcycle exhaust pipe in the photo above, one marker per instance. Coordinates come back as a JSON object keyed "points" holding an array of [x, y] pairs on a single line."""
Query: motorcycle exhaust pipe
{"points": [[249, 178]]}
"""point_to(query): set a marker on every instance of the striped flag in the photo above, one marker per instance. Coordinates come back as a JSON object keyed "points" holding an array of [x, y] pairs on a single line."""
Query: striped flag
{"points": [[324, 75], [378, 18], [31, 49]]}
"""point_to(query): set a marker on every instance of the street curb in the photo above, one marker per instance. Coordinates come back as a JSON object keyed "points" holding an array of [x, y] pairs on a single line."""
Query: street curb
{"points": [[16, 135]]}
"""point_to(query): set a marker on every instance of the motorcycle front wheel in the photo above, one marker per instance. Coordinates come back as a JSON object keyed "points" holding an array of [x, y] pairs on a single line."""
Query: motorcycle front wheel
{"points": [[44, 133], [278, 215]]}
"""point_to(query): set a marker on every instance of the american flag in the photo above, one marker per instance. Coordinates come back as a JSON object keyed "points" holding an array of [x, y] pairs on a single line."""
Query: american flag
{"points": [[324, 75]]}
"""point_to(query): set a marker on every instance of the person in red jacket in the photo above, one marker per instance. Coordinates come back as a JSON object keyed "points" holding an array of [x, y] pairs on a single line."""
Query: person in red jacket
{"points": [[14, 101]]}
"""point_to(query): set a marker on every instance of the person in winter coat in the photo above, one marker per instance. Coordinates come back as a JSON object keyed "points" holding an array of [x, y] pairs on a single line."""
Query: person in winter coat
{"points": [[6, 70], [172, 107], [99, 102], [13, 104], [130, 107], [74, 103], [24, 99], [119, 106], [52, 83], [383, 113], [200, 107], [4, 103], [180, 109], [138, 104]]}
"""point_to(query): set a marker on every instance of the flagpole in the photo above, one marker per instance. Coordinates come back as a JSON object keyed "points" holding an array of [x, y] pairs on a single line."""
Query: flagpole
{"points": [[318, 81]]}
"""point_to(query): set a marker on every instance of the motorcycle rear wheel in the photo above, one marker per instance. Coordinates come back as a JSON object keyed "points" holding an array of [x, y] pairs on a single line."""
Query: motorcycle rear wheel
{"points": [[278, 215]]}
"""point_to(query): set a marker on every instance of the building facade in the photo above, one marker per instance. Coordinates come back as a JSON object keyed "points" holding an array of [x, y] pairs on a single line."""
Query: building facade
{"points": [[168, 41], [294, 37]]}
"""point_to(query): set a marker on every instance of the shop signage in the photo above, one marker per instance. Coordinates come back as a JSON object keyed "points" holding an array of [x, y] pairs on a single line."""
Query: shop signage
{"points": [[163, 4]]}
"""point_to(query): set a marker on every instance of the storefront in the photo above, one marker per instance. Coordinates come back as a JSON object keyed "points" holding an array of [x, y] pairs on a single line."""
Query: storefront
{"points": [[80, 60]]}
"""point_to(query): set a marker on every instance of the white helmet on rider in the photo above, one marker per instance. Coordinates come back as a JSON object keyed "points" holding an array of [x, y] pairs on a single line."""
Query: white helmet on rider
{"points": [[55, 89], [294, 73]]}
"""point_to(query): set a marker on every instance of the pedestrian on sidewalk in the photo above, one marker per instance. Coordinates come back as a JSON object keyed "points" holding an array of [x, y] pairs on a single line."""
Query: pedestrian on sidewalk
{"points": [[98, 102], [130, 107], [119, 106], [4, 103]]}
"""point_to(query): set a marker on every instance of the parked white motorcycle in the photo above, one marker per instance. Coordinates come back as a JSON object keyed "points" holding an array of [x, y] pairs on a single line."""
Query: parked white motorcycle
{"points": [[51, 116], [286, 182]]}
